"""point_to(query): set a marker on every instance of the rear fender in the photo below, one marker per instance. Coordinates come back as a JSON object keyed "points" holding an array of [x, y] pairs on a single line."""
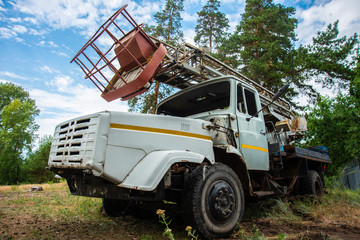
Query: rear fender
{"points": [[147, 174]]}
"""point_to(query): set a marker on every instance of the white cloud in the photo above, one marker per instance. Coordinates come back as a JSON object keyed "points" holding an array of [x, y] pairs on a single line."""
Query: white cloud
{"points": [[11, 75], [62, 83], [2, 4], [20, 40], [189, 17], [84, 15], [12, 32], [37, 32], [6, 33], [47, 44], [189, 35], [317, 17], [62, 54], [31, 20], [14, 20], [47, 69], [56, 107], [19, 29]]}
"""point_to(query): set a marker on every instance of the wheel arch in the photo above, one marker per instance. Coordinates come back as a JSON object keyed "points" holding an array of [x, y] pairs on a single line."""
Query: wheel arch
{"points": [[231, 157], [153, 167]]}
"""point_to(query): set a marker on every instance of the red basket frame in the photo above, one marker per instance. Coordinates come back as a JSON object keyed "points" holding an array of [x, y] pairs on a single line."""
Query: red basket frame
{"points": [[94, 70]]}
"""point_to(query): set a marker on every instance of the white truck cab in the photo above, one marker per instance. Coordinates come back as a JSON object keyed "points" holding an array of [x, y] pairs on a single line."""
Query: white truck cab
{"points": [[230, 101]]}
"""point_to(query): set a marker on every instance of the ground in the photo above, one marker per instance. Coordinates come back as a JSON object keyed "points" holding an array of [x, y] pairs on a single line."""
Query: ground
{"points": [[55, 214]]}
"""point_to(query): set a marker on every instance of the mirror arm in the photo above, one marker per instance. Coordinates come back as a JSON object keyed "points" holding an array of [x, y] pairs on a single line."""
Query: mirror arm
{"points": [[249, 118], [277, 95]]}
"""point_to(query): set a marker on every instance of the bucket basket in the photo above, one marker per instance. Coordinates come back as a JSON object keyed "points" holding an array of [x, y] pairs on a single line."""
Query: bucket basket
{"points": [[120, 58]]}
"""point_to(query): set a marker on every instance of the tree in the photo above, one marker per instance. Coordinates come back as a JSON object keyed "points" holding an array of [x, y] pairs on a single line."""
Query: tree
{"points": [[211, 24], [17, 130], [328, 60], [168, 21], [146, 102], [34, 168], [262, 44], [335, 123], [169, 30]]}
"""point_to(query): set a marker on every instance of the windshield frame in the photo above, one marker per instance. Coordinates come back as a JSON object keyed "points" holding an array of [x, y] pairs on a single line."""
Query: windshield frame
{"points": [[172, 100]]}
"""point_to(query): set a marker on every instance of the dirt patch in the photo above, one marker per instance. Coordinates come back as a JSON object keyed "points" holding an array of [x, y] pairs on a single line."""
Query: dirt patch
{"points": [[55, 214]]}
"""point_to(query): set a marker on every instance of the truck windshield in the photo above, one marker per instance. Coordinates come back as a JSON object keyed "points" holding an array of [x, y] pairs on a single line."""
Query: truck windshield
{"points": [[210, 97]]}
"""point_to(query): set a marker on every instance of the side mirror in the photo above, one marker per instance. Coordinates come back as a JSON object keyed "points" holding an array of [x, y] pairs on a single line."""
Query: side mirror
{"points": [[280, 92], [277, 95]]}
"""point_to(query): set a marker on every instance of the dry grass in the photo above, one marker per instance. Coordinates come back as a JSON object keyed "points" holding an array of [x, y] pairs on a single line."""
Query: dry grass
{"points": [[55, 214], [25, 187]]}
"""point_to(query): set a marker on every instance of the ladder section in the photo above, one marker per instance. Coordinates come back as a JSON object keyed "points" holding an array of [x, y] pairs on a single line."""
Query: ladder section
{"points": [[187, 65]]}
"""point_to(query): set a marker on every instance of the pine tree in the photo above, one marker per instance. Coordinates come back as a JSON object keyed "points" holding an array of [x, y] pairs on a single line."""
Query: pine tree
{"points": [[266, 38], [169, 22], [328, 59], [211, 24], [262, 44], [169, 30]]}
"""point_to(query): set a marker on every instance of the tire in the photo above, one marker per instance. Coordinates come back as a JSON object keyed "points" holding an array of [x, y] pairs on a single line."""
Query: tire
{"points": [[115, 207], [213, 200], [312, 184]]}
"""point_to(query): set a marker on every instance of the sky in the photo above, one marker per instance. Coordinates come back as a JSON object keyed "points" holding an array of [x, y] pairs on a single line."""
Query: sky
{"points": [[38, 39]]}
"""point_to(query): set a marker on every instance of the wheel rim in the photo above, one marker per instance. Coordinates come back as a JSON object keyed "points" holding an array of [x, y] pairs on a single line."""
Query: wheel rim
{"points": [[221, 201]]}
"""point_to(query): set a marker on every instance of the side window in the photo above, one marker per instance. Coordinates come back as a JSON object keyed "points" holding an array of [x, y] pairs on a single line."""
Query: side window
{"points": [[250, 102], [240, 99]]}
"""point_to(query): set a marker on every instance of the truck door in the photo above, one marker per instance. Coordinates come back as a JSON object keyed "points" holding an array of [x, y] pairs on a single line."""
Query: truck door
{"points": [[252, 134]]}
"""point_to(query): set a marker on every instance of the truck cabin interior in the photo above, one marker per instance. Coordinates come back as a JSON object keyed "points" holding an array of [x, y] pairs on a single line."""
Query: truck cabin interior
{"points": [[207, 98]]}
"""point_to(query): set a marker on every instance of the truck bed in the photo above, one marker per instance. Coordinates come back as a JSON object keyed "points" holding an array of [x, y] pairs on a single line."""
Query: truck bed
{"points": [[288, 151]]}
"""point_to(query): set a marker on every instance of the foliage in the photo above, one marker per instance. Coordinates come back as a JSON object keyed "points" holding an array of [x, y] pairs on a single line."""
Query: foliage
{"points": [[328, 60], [211, 24], [262, 48], [34, 168], [17, 130], [191, 233], [335, 123], [168, 21], [262, 44], [329, 56], [146, 103], [164, 220]]}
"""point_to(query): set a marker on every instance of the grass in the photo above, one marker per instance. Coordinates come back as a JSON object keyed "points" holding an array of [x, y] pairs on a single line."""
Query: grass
{"points": [[56, 214], [338, 209]]}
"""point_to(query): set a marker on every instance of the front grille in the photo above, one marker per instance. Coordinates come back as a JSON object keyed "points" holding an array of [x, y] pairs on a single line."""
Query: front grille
{"points": [[74, 141]]}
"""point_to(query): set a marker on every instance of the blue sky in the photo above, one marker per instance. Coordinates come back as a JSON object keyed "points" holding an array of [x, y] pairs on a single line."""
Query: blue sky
{"points": [[38, 38]]}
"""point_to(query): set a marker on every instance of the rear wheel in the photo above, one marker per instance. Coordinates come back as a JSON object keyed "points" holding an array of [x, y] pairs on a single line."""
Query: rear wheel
{"points": [[312, 184], [115, 207], [213, 200]]}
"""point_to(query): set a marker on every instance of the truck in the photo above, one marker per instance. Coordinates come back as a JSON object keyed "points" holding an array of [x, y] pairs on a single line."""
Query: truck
{"points": [[217, 141]]}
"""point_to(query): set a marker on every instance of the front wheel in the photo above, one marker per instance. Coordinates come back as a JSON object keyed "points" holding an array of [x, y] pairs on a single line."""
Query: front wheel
{"points": [[213, 200]]}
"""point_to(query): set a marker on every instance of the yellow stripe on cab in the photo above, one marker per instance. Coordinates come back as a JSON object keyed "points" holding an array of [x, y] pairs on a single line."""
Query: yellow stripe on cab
{"points": [[255, 148], [158, 130]]}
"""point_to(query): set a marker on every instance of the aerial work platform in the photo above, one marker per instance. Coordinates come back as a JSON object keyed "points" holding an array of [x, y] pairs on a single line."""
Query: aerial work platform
{"points": [[123, 62]]}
